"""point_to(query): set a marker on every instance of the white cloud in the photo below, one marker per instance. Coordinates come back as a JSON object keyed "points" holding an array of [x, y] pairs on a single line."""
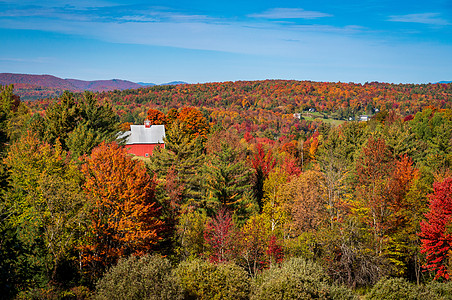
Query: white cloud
{"points": [[424, 18], [38, 60], [289, 13]]}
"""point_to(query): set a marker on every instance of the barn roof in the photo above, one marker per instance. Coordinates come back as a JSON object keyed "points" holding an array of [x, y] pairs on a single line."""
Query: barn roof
{"points": [[139, 134]]}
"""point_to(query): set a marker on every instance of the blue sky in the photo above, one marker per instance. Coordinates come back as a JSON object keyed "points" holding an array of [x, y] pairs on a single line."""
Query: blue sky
{"points": [[205, 41]]}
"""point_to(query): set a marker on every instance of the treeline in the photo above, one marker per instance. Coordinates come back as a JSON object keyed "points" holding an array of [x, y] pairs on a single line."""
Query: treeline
{"points": [[250, 199], [269, 105], [343, 100]]}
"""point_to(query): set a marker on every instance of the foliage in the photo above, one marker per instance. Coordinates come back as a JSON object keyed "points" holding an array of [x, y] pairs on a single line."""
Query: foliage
{"points": [[193, 122], [350, 196], [147, 277], [396, 288], [442, 290], [80, 124], [190, 233], [205, 280], [227, 179], [182, 157], [304, 198], [296, 278], [220, 237], [9, 104], [255, 234], [436, 232], [373, 167], [156, 117], [44, 203], [263, 162], [124, 218], [274, 207]]}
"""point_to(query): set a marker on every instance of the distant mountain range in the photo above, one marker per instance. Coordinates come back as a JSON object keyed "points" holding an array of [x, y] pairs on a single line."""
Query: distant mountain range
{"points": [[32, 87], [75, 85], [445, 82], [146, 84]]}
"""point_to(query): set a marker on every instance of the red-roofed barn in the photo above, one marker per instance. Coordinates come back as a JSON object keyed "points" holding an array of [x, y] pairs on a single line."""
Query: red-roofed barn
{"points": [[142, 139]]}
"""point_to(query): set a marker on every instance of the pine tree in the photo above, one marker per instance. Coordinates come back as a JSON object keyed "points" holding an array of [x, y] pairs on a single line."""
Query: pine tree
{"points": [[227, 179], [184, 155]]}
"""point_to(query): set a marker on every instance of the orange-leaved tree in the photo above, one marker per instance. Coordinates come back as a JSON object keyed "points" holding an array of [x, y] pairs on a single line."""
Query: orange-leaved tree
{"points": [[373, 168], [124, 217], [156, 117], [194, 123]]}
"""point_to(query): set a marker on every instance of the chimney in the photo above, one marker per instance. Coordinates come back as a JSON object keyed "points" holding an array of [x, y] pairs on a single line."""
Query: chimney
{"points": [[147, 123]]}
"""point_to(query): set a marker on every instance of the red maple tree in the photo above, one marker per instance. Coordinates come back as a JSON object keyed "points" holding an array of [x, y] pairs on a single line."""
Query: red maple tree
{"points": [[436, 231], [219, 235], [263, 162]]}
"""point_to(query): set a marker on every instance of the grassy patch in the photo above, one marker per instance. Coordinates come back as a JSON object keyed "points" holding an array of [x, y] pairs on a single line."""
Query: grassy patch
{"points": [[319, 116]]}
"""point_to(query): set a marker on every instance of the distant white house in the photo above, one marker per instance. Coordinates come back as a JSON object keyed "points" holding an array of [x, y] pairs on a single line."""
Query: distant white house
{"points": [[364, 118]]}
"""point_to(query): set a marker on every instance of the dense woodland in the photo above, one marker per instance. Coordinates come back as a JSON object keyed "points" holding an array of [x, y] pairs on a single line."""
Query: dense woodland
{"points": [[246, 201]]}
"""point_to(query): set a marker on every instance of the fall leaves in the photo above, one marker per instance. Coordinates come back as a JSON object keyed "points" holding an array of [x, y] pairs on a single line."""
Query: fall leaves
{"points": [[123, 215], [106, 210], [436, 230], [253, 187]]}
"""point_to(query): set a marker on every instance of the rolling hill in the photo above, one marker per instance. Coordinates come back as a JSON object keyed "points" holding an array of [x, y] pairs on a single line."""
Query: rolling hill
{"points": [[32, 87]]}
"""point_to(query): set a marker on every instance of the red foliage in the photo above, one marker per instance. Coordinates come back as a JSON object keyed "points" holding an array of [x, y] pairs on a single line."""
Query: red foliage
{"points": [[262, 164], [248, 137], [290, 165], [274, 250], [436, 233], [408, 118], [291, 148], [220, 236], [263, 161]]}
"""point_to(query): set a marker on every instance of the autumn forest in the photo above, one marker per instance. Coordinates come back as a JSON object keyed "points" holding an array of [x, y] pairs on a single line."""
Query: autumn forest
{"points": [[270, 189]]}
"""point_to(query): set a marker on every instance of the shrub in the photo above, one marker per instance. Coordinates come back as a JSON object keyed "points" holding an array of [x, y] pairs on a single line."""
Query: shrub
{"points": [[440, 290], [54, 293], [394, 288], [340, 292], [47, 293], [297, 278], [78, 293], [148, 277], [205, 280]]}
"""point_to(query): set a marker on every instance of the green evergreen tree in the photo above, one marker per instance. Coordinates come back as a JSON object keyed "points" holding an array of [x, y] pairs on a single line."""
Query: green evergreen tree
{"points": [[227, 179], [184, 155], [79, 124], [61, 118]]}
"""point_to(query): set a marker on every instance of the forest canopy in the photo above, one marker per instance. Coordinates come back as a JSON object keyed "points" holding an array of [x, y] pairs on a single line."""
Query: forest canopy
{"points": [[269, 187]]}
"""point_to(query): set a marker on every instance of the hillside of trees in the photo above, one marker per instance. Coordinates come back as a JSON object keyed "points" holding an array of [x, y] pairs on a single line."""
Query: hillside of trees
{"points": [[246, 200], [33, 87]]}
